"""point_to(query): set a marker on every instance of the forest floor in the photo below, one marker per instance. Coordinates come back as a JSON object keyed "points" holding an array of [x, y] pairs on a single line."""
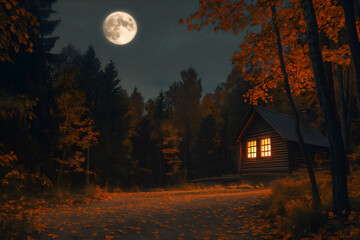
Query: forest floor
{"points": [[194, 214]]}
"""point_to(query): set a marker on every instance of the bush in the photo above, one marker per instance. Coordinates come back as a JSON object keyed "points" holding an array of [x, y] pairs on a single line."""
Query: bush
{"points": [[300, 218], [16, 221], [290, 203], [290, 206], [284, 191]]}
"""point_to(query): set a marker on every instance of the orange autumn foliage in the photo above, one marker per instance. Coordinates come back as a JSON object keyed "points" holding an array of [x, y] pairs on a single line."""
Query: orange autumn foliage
{"points": [[15, 28], [76, 131], [289, 207], [169, 147], [257, 58]]}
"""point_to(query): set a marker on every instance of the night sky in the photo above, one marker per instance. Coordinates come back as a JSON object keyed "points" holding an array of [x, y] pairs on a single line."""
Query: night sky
{"points": [[159, 51]]}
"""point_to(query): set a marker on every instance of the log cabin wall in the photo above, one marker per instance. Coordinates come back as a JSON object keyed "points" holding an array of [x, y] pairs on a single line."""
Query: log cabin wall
{"points": [[279, 159], [295, 156]]}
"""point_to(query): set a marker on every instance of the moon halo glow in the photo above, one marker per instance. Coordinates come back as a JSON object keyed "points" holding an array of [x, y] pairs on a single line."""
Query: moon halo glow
{"points": [[119, 28]]}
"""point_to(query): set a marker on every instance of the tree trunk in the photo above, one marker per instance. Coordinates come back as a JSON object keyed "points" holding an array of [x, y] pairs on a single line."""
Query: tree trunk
{"points": [[61, 169], [88, 168], [357, 8], [341, 206], [353, 42], [344, 115], [314, 187], [342, 106], [349, 102], [325, 41], [161, 169], [186, 150]]}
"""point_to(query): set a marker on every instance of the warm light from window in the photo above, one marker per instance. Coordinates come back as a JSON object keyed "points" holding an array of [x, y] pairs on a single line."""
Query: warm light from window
{"points": [[265, 147], [251, 149]]}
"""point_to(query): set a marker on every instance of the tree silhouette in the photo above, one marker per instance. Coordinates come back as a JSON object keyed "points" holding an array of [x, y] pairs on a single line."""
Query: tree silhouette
{"points": [[185, 97]]}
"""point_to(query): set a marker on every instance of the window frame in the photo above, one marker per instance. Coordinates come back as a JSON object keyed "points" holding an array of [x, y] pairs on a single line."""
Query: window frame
{"points": [[270, 150], [252, 147]]}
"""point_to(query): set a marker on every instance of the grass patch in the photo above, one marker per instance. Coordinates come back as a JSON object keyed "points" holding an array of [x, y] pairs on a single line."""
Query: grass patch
{"points": [[289, 208]]}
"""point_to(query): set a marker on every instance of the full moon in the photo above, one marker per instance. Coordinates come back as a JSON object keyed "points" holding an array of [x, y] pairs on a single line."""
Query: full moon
{"points": [[119, 28]]}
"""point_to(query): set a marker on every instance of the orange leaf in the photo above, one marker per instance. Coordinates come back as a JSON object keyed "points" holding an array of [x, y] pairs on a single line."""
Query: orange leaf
{"points": [[8, 6]]}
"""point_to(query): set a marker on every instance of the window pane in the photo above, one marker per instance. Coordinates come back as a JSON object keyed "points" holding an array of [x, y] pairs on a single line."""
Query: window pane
{"points": [[251, 149], [265, 147]]}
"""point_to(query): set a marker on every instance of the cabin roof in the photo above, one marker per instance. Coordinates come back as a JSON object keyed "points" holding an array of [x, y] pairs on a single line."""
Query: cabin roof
{"points": [[284, 125]]}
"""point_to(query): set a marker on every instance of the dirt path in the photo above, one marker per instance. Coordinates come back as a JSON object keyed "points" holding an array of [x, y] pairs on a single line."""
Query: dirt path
{"points": [[200, 214]]}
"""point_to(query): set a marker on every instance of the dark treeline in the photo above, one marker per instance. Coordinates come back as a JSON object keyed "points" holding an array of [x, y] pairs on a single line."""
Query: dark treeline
{"points": [[79, 115], [64, 116]]}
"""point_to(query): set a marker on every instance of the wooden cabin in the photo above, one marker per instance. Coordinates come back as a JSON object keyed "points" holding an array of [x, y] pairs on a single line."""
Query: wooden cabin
{"points": [[266, 142]]}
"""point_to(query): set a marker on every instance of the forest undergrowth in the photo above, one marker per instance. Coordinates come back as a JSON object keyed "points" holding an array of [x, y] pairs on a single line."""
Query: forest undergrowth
{"points": [[290, 211]]}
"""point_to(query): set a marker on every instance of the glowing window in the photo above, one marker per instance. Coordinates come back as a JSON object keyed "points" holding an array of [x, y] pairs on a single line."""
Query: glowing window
{"points": [[265, 147], [251, 149]]}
